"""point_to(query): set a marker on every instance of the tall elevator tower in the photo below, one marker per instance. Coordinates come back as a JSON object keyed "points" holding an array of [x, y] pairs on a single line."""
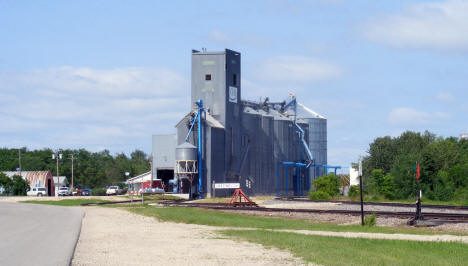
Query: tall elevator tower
{"points": [[216, 79]]}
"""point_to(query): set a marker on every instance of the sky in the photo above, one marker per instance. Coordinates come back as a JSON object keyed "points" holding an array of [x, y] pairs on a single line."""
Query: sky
{"points": [[109, 74]]}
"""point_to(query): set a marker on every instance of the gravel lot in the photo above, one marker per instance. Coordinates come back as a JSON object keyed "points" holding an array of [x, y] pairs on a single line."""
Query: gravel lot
{"points": [[111, 236]]}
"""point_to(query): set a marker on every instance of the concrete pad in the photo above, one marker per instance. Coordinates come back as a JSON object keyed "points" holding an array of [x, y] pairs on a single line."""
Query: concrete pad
{"points": [[35, 234]]}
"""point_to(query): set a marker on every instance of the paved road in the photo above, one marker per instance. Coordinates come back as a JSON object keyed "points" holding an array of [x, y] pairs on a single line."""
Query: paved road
{"points": [[35, 234]]}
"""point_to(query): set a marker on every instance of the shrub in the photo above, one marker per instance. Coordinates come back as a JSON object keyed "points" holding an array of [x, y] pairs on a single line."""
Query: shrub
{"points": [[370, 220], [461, 194], [330, 184], [319, 195], [354, 191], [442, 193], [99, 191]]}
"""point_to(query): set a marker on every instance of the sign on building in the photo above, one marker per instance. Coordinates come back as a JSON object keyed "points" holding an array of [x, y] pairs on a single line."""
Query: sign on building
{"points": [[226, 185]]}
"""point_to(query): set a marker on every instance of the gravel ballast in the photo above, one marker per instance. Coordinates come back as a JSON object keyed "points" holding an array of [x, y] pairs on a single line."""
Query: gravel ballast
{"points": [[111, 236]]}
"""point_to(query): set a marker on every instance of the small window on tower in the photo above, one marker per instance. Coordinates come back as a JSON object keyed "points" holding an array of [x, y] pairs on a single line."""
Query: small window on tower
{"points": [[208, 77], [234, 80]]}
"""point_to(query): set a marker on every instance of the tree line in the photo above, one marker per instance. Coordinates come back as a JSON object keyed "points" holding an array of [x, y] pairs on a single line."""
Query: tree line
{"points": [[91, 169], [389, 169]]}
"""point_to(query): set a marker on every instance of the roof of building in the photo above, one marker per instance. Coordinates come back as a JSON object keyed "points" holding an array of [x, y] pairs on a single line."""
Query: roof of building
{"points": [[303, 111], [35, 178], [269, 112], [209, 119], [186, 145], [140, 178], [63, 179]]}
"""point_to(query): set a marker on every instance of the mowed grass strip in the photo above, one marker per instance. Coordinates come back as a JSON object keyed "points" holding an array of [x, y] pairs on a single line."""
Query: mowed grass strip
{"points": [[65, 202], [218, 218], [358, 251]]}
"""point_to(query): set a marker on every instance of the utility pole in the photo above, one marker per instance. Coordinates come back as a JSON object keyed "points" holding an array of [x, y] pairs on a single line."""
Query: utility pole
{"points": [[57, 155], [72, 157], [360, 190], [19, 160]]}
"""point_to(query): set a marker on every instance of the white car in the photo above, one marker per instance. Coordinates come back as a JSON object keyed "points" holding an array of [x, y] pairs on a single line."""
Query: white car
{"points": [[37, 192], [64, 191], [113, 190]]}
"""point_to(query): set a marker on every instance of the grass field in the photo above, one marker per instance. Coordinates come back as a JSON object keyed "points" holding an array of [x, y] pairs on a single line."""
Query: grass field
{"points": [[65, 202], [217, 218], [349, 251]]}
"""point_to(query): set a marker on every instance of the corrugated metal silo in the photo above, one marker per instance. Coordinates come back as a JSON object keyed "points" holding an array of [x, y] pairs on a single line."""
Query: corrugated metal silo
{"points": [[317, 135]]}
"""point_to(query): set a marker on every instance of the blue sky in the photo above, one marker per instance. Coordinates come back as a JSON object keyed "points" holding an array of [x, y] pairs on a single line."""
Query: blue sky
{"points": [[108, 74]]}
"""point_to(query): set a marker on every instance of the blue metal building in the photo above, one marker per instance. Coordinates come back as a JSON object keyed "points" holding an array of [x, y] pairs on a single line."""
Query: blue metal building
{"points": [[243, 141]]}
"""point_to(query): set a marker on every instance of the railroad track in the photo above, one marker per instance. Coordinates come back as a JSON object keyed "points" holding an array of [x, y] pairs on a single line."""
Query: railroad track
{"points": [[442, 217], [393, 204]]}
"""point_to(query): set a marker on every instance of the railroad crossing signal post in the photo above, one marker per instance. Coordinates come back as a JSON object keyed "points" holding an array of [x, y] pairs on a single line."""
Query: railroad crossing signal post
{"points": [[360, 190], [418, 215]]}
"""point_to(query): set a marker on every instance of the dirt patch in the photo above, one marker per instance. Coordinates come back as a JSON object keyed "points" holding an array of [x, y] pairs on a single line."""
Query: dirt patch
{"points": [[112, 236]]}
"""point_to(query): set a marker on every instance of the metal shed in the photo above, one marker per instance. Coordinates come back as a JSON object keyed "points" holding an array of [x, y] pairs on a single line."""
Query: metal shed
{"points": [[36, 179]]}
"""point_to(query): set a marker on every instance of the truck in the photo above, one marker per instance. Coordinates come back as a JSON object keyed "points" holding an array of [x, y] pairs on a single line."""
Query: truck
{"points": [[37, 192], [113, 190], [64, 191]]}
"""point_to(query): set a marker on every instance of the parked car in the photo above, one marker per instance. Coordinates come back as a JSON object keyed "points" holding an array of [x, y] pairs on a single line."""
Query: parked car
{"points": [[64, 191], [37, 192], [86, 192], [113, 190]]}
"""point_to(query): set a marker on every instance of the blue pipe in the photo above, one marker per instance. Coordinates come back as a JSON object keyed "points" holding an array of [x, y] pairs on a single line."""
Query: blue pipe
{"points": [[191, 127], [287, 182], [304, 143], [277, 179], [297, 180], [200, 148]]}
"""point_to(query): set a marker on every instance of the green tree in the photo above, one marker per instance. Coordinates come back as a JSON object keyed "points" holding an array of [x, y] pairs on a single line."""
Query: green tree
{"points": [[6, 183], [380, 184], [19, 186], [404, 175]]}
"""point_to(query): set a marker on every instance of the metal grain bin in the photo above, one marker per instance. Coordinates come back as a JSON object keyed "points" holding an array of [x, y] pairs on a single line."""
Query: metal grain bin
{"points": [[186, 152]]}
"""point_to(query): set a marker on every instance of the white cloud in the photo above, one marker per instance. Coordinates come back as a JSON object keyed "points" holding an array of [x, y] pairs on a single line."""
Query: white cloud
{"points": [[239, 39], [111, 83], [439, 25], [297, 69], [219, 36], [84, 107], [445, 97], [405, 116]]}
